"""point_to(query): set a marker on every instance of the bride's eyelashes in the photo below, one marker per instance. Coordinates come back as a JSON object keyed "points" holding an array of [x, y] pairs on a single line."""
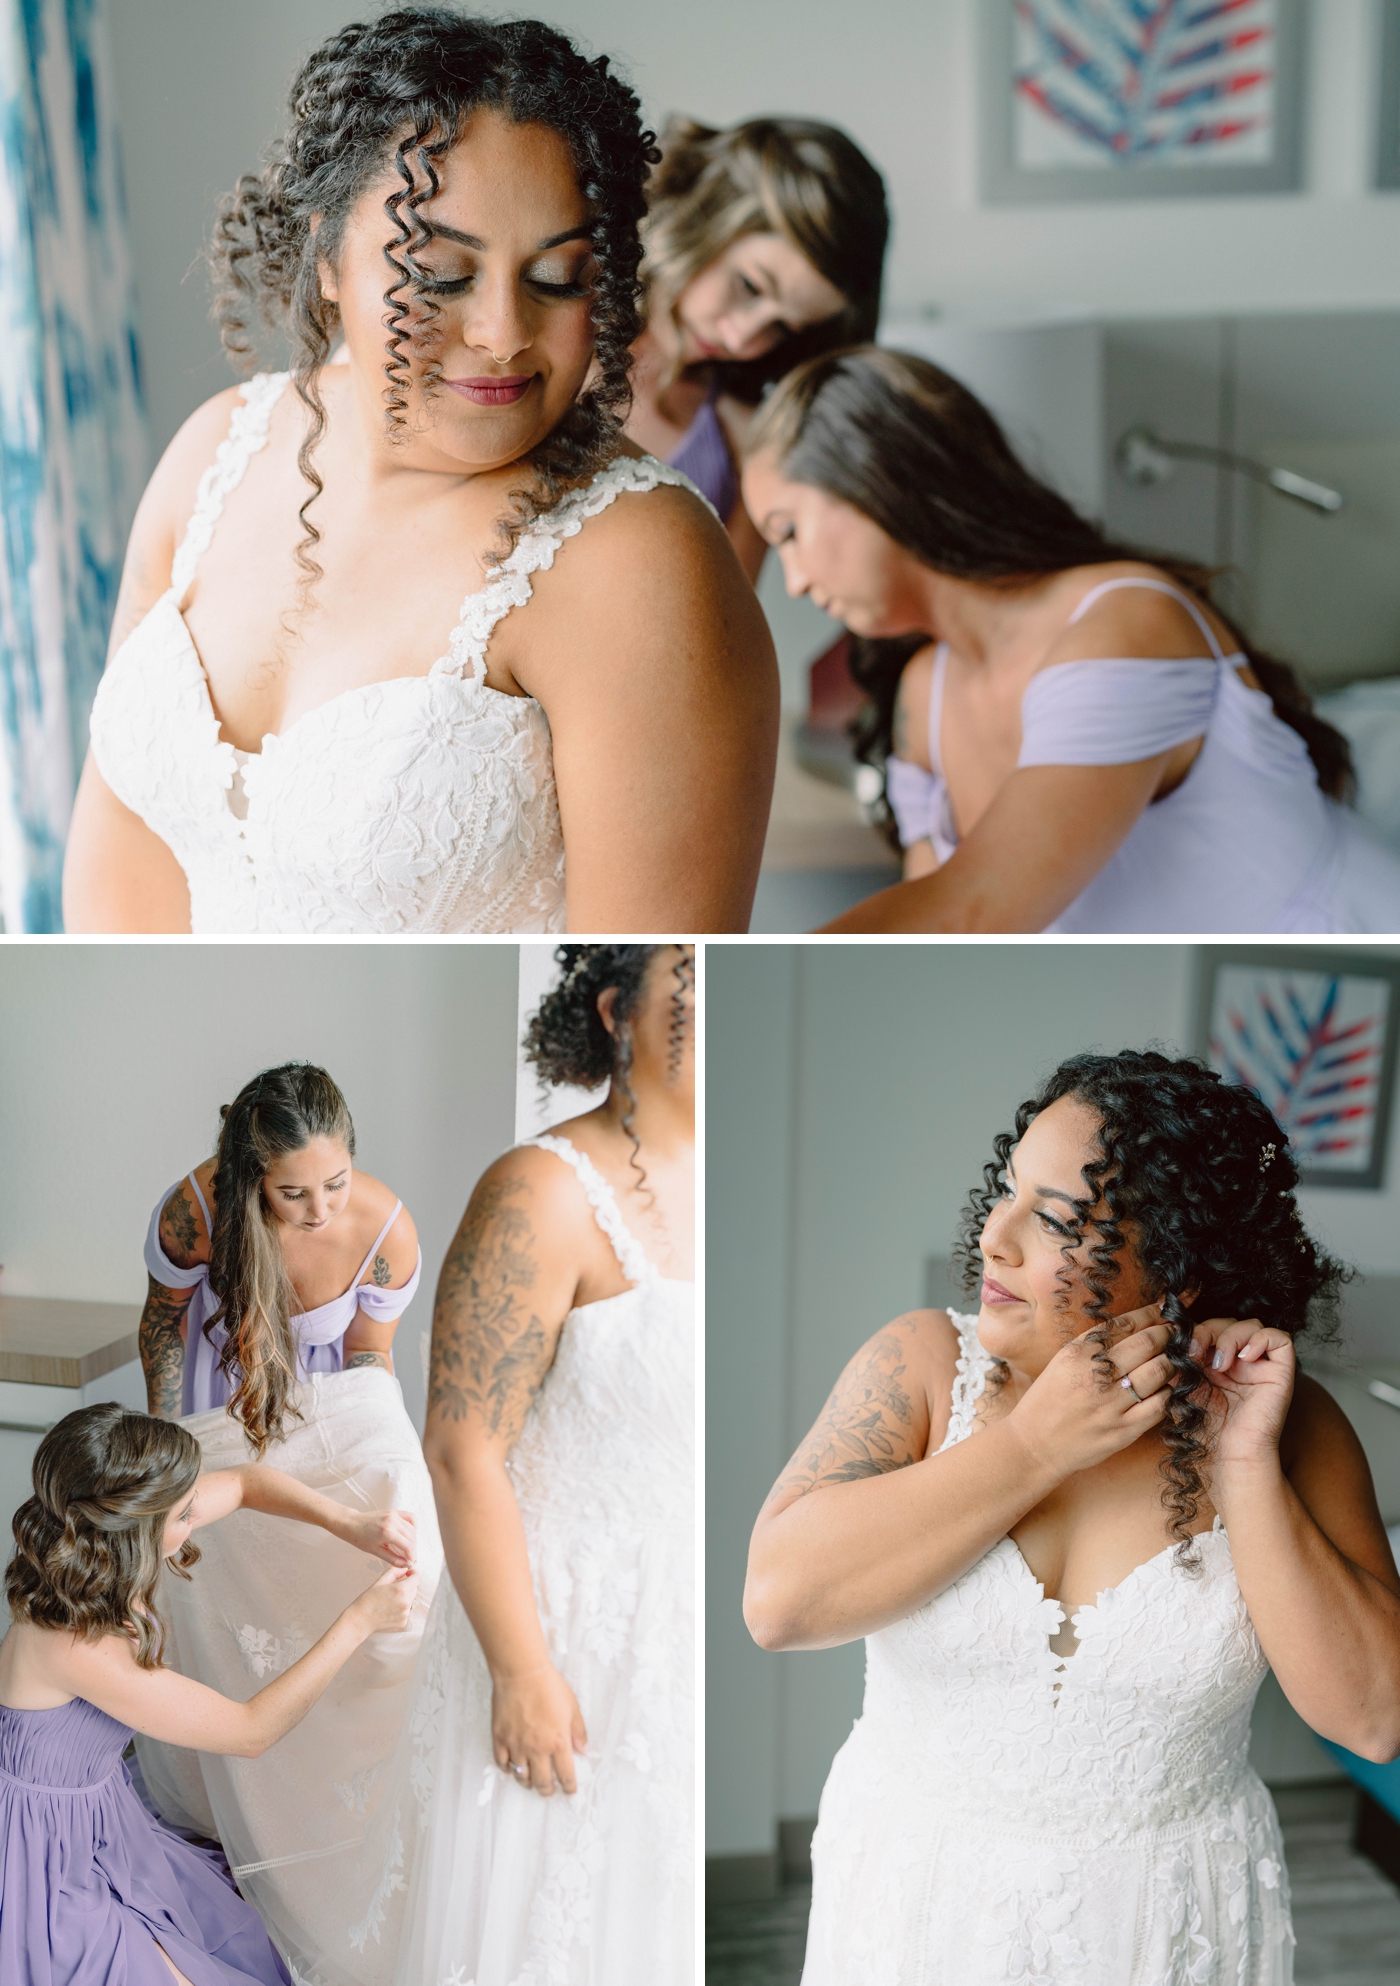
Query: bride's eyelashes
{"points": [[431, 285]]}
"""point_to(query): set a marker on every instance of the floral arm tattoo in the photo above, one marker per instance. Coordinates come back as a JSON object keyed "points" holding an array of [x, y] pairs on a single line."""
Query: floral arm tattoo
{"points": [[869, 1425], [162, 1353], [491, 1351]]}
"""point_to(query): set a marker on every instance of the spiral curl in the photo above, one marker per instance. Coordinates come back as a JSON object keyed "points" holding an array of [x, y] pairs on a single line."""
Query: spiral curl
{"points": [[1179, 1165], [87, 1552], [395, 94]]}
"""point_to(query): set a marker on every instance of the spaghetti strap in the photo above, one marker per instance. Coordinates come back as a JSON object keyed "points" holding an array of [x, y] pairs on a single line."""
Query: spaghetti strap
{"points": [[374, 1246], [208, 1223], [935, 709], [1152, 586]]}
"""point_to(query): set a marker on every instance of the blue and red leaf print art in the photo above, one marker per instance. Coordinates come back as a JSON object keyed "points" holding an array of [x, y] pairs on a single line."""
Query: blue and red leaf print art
{"points": [[1121, 83], [1311, 1045]]}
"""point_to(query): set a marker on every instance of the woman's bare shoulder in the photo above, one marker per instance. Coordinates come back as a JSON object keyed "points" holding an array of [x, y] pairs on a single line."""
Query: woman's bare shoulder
{"points": [[183, 1232], [911, 702], [1142, 622]]}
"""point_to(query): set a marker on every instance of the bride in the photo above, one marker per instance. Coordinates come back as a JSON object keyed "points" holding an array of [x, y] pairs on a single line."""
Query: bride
{"points": [[547, 1828], [274, 746], [278, 1272], [1067, 1618]]}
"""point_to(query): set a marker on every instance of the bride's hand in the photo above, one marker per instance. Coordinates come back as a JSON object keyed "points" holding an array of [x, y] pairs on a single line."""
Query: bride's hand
{"points": [[1251, 1370], [536, 1727], [1079, 1412], [387, 1534]]}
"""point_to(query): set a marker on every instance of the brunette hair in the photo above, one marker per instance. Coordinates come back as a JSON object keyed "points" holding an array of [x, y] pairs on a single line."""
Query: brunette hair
{"points": [[394, 95], [87, 1543], [921, 457], [788, 176], [1200, 1170], [279, 1112], [566, 1039]]}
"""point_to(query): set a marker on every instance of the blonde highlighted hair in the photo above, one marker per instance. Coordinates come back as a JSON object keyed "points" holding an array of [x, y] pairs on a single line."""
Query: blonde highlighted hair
{"points": [[88, 1542], [279, 1112], [787, 176]]}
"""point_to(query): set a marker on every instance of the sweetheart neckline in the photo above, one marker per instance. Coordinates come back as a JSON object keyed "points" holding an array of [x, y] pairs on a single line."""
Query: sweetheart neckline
{"points": [[1093, 1606], [355, 689]]}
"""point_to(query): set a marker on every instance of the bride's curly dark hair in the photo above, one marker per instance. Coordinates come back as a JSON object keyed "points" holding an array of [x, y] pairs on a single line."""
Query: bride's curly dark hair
{"points": [[396, 93], [567, 1041], [1200, 1172]]}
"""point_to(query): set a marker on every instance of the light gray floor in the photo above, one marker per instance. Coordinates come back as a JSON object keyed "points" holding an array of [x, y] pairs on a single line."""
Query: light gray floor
{"points": [[1345, 1914]]}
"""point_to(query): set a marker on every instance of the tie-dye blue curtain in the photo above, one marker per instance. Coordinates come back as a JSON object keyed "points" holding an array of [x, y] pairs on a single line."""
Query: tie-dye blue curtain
{"points": [[73, 449]]}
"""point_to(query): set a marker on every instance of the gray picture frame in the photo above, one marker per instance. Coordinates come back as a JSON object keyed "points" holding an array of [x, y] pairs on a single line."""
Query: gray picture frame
{"points": [[1387, 164], [1004, 183], [1369, 1178]]}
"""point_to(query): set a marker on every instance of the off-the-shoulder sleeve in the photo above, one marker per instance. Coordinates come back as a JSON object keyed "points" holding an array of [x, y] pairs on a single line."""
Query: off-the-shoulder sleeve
{"points": [[385, 1305], [166, 1272], [915, 797], [1115, 711]]}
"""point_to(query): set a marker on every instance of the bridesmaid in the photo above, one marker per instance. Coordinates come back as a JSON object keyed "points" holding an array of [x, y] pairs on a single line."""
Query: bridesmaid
{"points": [[92, 1890], [765, 244], [297, 1219], [278, 1274]]}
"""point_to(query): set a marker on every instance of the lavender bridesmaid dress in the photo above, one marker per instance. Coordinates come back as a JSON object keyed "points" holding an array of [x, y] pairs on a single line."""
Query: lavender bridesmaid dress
{"points": [[88, 1881]]}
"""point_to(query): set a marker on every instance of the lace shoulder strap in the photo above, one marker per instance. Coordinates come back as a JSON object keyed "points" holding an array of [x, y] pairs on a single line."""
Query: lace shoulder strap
{"points": [[632, 1257], [246, 435], [970, 1382], [511, 583]]}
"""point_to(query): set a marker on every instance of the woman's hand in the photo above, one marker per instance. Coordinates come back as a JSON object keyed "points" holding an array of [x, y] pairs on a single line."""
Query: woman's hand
{"points": [[385, 1607], [1251, 1372], [1078, 1412], [536, 1727], [388, 1534]]}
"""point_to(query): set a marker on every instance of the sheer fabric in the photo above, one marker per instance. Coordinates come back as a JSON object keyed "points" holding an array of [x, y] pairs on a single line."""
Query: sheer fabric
{"points": [[480, 1882], [293, 1822], [1000, 1813], [421, 804]]}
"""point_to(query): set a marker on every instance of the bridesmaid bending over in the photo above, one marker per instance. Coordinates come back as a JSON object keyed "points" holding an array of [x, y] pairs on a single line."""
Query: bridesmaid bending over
{"points": [[1079, 740], [278, 1274], [274, 745], [92, 1889], [765, 245]]}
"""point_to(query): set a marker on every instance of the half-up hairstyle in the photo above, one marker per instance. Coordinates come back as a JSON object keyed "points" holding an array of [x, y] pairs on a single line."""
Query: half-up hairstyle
{"points": [[908, 446], [1200, 1170], [392, 96], [567, 1041], [787, 176], [279, 1112], [87, 1555]]}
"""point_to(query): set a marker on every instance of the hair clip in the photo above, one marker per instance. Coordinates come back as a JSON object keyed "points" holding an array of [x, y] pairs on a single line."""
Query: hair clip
{"points": [[1266, 1157]]}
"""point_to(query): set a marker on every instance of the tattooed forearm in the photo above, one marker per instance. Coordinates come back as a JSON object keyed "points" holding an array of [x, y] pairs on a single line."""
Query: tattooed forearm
{"points": [[866, 1428], [179, 1231], [162, 1353], [490, 1351], [381, 1272], [370, 1358]]}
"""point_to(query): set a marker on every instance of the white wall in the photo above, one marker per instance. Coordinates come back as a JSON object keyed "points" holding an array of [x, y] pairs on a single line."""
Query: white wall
{"points": [[201, 85], [852, 1095], [114, 1060]]}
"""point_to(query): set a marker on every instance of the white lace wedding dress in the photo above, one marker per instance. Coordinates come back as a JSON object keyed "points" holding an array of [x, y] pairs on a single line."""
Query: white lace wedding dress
{"points": [[480, 1881], [1000, 1813], [422, 804]]}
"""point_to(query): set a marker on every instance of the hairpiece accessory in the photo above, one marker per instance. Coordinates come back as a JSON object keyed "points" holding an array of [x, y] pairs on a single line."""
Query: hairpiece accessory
{"points": [[1266, 1157], [578, 967]]}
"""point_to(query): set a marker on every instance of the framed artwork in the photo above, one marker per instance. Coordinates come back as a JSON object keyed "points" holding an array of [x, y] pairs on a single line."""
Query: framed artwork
{"points": [[1139, 99], [1313, 1033], [1388, 121]]}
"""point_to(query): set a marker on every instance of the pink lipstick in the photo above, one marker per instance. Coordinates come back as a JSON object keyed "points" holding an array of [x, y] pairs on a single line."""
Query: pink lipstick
{"points": [[490, 391], [993, 1293]]}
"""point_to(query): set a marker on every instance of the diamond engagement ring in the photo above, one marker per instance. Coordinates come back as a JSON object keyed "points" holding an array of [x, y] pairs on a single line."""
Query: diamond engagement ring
{"points": [[1128, 1382]]}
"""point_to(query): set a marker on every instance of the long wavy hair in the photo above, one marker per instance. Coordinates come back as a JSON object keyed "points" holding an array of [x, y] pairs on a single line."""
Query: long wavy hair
{"points": [[787, 176], [279, 1112], [907, 445], [395, 94], [567, 1041], [1200, 1172], [87, 1552]]}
